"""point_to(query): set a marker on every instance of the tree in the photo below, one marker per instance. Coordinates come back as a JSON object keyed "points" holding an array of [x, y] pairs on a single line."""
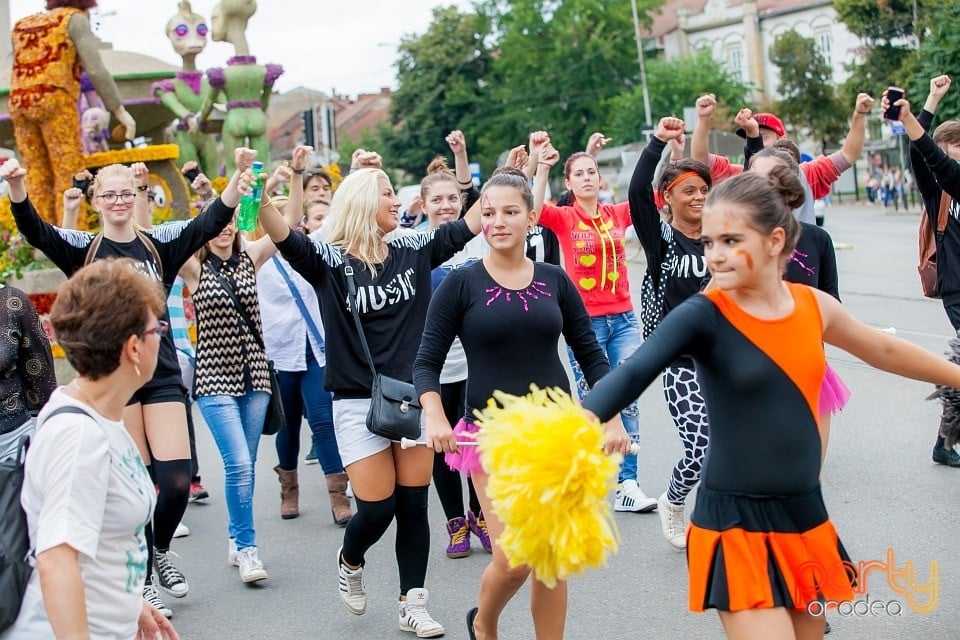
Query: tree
{"points": [[939, 53], [442, 78], [889, 33], [557, 66], [809, 99], [674, 84]]}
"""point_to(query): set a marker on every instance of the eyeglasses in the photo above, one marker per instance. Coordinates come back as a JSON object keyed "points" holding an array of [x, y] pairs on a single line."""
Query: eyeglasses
{"points": [[111, 198], [162, 327]]}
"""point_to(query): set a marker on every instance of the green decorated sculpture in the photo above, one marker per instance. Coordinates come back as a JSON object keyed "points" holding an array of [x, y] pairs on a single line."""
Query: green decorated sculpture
{"points": [[186, 93], [244, 85]]}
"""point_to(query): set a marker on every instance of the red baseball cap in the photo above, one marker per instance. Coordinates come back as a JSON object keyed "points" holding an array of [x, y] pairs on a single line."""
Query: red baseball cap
{"points": [[769, 121]]}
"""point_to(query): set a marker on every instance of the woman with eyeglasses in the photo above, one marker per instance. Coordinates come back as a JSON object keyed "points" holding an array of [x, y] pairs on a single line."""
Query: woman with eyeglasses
{"points": [[231, 375], [156, 415]]}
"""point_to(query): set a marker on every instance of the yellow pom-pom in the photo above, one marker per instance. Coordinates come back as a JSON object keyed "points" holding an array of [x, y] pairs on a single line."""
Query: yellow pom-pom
{"points": [[549, 482]]}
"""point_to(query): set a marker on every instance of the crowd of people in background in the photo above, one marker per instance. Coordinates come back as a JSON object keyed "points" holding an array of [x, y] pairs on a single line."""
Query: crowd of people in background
{"points": [[471, 290]]}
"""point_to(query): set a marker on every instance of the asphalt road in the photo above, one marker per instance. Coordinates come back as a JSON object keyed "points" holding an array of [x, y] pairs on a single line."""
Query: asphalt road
{"points": [[881, 488]]}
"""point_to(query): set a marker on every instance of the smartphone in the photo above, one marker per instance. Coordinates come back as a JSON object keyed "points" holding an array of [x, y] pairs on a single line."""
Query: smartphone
{"points": [[893, 112]]}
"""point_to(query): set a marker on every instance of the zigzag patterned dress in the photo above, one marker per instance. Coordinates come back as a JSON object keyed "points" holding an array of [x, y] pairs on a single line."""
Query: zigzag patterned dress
{"points": [[230, 362]]}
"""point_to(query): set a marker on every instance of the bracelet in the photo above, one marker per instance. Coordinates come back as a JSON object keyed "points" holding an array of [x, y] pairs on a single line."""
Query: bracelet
{"points": [[465, 183], [863, 113], [299, 172], [142, 187], [546, 164]]}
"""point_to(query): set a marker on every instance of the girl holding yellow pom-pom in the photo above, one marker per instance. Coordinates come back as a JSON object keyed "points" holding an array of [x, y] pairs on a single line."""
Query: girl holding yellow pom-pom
{"points": [[509, 313], [760, 541]]}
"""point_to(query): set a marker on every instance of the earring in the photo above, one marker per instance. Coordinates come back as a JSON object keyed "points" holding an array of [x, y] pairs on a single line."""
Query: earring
{"points": [[137, 369]]}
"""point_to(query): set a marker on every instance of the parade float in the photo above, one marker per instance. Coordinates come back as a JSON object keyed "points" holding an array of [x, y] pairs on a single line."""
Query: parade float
{"points": [[180, 114]]}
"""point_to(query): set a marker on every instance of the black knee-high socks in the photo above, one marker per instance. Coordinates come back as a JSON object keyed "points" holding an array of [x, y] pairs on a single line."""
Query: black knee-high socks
{"points": [[366, 526], [449, 484], [173, 484], [413, 536], [409, 506]]}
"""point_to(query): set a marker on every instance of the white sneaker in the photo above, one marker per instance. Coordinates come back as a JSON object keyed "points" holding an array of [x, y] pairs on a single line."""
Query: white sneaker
{"points": [[233, 556], [672, 522], [631, 498], [414, 616], [353, 594], [251, 569], [182, 531]]}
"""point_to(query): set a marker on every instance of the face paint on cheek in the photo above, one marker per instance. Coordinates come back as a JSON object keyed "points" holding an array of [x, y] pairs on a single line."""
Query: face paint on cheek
{"points": [[746, 257], [486, 229]]}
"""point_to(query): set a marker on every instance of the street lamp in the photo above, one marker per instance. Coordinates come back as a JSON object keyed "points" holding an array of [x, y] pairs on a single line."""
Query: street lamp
{"points": [[643, 68]]}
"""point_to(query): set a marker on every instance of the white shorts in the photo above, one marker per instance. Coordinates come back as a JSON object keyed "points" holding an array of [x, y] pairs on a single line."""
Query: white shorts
{"points": [[353, 438]]}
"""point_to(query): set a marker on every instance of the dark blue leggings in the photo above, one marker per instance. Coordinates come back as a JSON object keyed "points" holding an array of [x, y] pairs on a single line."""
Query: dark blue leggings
{"points": [[303, 393]]}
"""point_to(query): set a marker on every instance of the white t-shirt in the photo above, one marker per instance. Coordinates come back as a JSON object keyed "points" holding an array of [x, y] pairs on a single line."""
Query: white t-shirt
{"points": [[86, 487]]}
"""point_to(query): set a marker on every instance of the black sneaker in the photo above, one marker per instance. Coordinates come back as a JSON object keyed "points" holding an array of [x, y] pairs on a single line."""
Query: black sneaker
{"points": [[169, 577], [948, 457], [826, 628]]}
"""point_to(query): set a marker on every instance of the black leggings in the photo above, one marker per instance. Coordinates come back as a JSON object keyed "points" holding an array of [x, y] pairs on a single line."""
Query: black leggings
{"points": [[447, 481], [173, 484]]}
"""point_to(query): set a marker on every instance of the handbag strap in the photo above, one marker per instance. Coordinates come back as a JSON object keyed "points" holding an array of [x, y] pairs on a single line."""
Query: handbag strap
{"points": [[354, 309], [228, 289], [299, 300], [943, 214]]}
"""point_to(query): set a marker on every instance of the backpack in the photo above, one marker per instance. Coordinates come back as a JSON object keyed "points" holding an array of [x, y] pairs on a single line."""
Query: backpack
{"points": [[928, 247], [144, 238], [15, 551]]}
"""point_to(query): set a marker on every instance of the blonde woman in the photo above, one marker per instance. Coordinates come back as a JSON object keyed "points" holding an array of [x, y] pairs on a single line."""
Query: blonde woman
{"points": [[393, 283], [156, 415]]}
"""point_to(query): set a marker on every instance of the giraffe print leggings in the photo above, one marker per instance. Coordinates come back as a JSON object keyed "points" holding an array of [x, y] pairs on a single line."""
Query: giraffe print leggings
{"points": [[685, 401]]}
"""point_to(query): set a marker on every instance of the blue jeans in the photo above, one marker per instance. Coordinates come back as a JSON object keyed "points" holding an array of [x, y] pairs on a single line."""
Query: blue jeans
{"points": [[619, 336], [236, 424], [302, 393]]}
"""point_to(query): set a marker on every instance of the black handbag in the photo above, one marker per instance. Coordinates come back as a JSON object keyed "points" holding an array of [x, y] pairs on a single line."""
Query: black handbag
{"points": [[394, 405], [275, 419]]}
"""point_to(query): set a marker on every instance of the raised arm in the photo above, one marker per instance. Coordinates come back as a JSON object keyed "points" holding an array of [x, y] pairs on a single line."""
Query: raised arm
{"points": [[596, 143], [68, 256], [942, 167], [643, 209], [461, 163], [853, 143], [72, 201], [751, 128], [700, 140], [141, 205], [939, 86], [262, 249], [539, 141], [298, 162]]}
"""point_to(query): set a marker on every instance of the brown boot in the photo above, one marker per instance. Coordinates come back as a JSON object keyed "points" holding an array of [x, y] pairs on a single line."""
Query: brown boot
{"points": [[339, 502], [289, 493]]}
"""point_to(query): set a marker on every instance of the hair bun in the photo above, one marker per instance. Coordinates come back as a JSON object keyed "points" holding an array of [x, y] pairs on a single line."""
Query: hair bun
{"points": [[438, 165], [787, 185]]}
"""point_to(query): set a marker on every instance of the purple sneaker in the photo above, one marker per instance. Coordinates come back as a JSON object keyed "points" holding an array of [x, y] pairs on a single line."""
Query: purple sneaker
{"points": [[459, 531], [479, 528]]}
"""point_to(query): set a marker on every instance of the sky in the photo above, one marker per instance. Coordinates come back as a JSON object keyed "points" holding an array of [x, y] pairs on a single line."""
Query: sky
{"points": [[348, 46]]}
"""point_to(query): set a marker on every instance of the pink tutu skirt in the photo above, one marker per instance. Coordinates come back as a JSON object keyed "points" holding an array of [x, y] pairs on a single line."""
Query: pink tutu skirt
{"points": [[467, 461], [833, 393]]}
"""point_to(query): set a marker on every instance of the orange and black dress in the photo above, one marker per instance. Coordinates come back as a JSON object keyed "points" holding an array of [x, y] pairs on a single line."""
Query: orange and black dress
{"points": [[759, 535]]}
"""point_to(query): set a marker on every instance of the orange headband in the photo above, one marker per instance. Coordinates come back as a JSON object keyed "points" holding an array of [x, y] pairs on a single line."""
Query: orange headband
{"points": [[680, 178]]}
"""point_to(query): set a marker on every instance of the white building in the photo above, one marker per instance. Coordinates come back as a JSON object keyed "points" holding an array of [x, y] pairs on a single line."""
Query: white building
{"points": [[740, 33]]}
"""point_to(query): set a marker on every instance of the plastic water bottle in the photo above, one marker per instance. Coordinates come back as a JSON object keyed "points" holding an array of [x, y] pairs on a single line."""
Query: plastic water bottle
{"points": [[250, 203]]}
